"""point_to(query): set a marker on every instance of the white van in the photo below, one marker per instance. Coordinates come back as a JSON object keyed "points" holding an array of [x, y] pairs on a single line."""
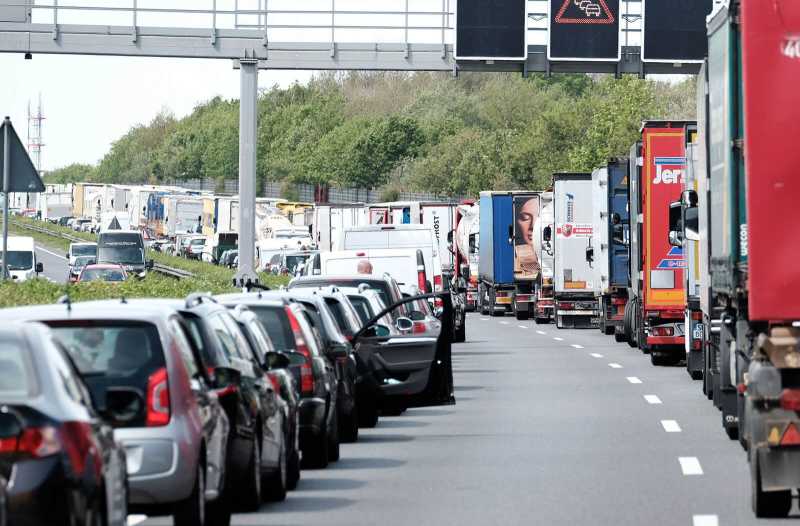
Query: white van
{"points": [[80, 249], [22, 264], [405, 265], [383, 237]]}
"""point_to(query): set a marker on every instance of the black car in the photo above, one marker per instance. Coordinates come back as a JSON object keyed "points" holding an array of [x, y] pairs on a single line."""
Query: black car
{"points": [[273, 366], [255, 442], [293, 334], [59, 458]]}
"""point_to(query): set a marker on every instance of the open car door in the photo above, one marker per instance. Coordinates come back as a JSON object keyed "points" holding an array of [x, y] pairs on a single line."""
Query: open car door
{"points": [[410, 370]]}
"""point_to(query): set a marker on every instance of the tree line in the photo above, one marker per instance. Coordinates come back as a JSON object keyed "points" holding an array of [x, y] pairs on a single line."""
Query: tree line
{"points": [[424, 132]]}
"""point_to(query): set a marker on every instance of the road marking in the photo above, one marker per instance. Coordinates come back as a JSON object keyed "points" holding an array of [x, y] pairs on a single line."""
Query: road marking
{"points": [[652, 399], [51, 253], [577, 346], [556, 338], [690, 466], [595, 355], [634, 380], [541, 332], [484, 319], [615, 365], [133, 520], [670, 426], [705, 520], [504, 322], [522, 326]]}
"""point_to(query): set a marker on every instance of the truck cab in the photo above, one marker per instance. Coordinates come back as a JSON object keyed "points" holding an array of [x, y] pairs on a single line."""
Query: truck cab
{"points": [[21, 259]]}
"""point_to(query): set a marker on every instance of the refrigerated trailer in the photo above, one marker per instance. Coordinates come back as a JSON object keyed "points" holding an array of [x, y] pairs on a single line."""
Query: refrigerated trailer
{"points": [[610, 243], [657, 298], [544, 309], [575, 305]]}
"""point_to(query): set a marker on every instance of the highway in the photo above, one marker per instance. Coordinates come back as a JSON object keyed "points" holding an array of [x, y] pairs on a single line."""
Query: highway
{"points": [[552, 427], [55, 264]]}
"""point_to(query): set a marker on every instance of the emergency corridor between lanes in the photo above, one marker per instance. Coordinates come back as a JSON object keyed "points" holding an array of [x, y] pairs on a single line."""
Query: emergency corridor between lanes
{"points": [[551, 427]]}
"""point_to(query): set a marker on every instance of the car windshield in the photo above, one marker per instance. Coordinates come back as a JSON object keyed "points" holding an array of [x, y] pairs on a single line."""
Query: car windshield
{"points": [[292, 262], [18, 260], [15, 371], [276, 323], [82, 261], [84, 250], [103, 274], [114, 354], [123, 254], [196, 242]]}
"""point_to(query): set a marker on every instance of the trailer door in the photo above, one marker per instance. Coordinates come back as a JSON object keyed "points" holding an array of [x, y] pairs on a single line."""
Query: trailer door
{"points": [[527, 209]]}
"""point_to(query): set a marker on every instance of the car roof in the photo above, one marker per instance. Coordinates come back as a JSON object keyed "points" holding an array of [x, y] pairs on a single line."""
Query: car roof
{"points": [[340, 277], [96, 310], [270, 298], [378, 228], [19, 242]]}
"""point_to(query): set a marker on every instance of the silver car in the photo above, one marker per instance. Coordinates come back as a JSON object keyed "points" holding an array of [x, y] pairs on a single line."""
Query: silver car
{"points": [[175, 435]]}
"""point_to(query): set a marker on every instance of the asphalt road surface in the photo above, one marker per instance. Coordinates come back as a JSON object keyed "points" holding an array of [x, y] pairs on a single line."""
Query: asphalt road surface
{"points": [[552, 427], [55, 265]]}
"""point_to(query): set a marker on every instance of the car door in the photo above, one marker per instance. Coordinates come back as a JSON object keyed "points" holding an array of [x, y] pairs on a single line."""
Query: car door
{"points": [[413, 370]]}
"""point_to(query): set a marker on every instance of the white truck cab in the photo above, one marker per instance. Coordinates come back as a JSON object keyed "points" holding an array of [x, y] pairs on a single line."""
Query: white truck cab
{"points": [[22, 264]]}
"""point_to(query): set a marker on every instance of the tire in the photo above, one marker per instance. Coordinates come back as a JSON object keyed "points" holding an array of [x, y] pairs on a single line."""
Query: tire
{"points": [[367, 412], [619, 337], [192, 510], [523, 315], [542, 321], [249, 491], [461, 333], [696, 375], [218, 512], [348, 426], [293, 474], [274, 485], [608, 330], [315, 455], [767, 504], [333, 438]]}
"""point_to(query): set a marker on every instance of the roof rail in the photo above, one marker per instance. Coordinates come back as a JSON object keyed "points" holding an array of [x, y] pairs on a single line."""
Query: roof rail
{"points": [[364, 286], [198, 298]]}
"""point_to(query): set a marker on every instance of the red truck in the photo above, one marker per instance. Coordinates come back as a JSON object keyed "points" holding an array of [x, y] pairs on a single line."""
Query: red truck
{"points": [[654, 314]]}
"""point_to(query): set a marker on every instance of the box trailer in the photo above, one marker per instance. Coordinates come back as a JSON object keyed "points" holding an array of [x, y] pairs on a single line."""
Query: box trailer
{"points": [[330, 222], [575, 305], [544, 309]]}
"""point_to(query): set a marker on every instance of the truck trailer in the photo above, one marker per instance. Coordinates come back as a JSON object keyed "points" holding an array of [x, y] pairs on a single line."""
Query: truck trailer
{"points": [[654, 313], [574, 291], [544, 309]]}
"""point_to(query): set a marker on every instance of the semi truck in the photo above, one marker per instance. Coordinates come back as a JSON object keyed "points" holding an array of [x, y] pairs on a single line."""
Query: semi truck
{"points": [[574, 287], [610, 234], [465, 249], [544, 309], [508, 266], [654, 313]]}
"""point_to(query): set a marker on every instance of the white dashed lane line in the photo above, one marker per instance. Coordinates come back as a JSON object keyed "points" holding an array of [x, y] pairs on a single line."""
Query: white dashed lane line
{"points": [[522, 326], [690, 466], [577, 346], [615, 365], [705, 520], [652, 399], [484, 319], [595, 355], [504, 322], [541, 332], [556, 338], [670, 426], [634, 380]]}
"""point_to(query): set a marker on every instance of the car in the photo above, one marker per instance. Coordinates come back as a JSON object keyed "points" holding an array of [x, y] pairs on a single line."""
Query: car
{"points": [[289, 263], [322, 308], [193, 247], [80, 249], [51, 438], [592, 9], [255, 445], [293, 334], [285, 420], [385, 285], [425, 322], [77, 224], [138, 360], [78, 265], [227, 258], [103, 272]]}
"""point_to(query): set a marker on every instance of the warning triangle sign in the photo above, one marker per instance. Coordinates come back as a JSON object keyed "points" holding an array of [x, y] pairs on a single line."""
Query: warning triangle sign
{"points": [[584, 12]]}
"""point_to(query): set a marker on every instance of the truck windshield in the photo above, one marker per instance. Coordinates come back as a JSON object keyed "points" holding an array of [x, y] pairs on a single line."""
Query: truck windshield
{"points": [[122, 249], [19, 260]]}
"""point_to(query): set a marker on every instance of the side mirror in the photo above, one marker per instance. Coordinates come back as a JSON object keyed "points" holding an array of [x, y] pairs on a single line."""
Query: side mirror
{"points": [[276, 360], [150, 264], [39, 268], [122, 405], [226, 377], [404, 324], [338, 352], [590, 254], [675, 239], [547, 233], [689, 198], [66, 256], [377, 331]]}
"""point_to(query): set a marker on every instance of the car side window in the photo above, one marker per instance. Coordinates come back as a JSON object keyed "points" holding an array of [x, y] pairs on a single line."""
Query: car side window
{"points": [[184, 347], [70, 378], [241, 347], [223, 335]]}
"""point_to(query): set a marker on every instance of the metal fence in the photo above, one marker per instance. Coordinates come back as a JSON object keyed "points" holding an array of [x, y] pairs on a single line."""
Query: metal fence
{"points": [[307, 193]]}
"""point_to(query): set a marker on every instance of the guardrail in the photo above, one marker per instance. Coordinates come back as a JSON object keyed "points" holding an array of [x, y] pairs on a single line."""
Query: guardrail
{"points": [[157, 267]]}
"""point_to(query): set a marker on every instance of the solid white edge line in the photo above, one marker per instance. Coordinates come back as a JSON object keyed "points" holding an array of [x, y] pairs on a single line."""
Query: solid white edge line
{"points": [[49, 252], [652, 399], [634, 380], [556, 338], [671, 426], [690, 466], [614, 365], [705, 520], [595, 355], [577, 346]]}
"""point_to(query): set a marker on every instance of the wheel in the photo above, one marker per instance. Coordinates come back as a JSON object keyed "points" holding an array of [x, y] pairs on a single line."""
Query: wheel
{"points": [[219, 510], [315, 454], [333, 438], [367, 412], [249, 493], [523, 315], [731, 430], [608, 330], [767, 504], [293, 475], [192, 510], [275, 484], [542, 321], [696, 375], [619, 337], [461, 333], [657, 359], [348, 426]]}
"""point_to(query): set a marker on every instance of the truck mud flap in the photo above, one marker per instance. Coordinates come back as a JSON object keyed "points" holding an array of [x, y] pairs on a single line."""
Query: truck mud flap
{"points": [[695, 363], [729, 404]]}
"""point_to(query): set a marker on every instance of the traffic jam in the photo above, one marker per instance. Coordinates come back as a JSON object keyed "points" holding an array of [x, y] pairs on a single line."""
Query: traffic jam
{"points": [[202, 407]]}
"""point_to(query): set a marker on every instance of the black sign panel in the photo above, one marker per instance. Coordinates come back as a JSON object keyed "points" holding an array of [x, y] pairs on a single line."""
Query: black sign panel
{"points": [[675, 30], [491, 29], [584, 30]]}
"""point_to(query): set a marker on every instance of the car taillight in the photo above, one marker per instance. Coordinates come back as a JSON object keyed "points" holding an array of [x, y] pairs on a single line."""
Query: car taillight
{"points": [[437, 286], [306, 372], [158, 407], [662, 331], [421, 281], [790, 399], [565, 305], [419, 327], [77, 440], [37, 442]]}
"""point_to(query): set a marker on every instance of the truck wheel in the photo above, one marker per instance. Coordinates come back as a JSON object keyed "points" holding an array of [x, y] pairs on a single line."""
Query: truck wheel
{"points": [[608, 330], [767, 504], [493, 305], [523, 315], [619, 337], [461, 333], [542, 321]]}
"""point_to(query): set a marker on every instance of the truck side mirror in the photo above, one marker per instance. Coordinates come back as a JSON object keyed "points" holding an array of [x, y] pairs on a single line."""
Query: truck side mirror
{"points": [[39, 268], [689, 198], [675, 239], [547, 233], [691, 224], [590, 254]]}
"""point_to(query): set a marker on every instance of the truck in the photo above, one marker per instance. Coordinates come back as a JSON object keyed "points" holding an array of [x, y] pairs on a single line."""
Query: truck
{"points": [[610, 234], [124, 248], [508, 265], [574, 297], [464, 246], [656, 298], [330, 222], [543, 240], [684, 232]]}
